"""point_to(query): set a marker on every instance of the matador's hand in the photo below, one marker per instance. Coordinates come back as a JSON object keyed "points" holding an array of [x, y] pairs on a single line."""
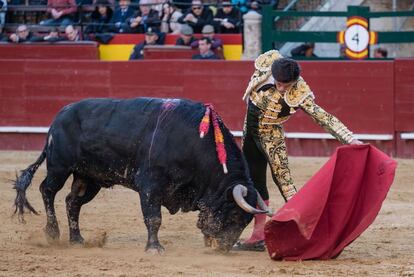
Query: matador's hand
{"points": [[355, 141]]}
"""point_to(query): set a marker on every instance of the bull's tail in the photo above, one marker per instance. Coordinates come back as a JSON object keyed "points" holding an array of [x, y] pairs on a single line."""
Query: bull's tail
{"points": [[23, 182]]}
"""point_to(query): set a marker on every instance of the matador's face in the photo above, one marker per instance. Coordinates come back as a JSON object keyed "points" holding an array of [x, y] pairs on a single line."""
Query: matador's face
{"points": [[283, 87]]}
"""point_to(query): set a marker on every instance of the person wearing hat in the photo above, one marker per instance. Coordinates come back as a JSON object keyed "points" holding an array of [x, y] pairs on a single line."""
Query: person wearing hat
{"points": [[197, 16], [144, 18], [208, 31], [152, 37], [228, 19], [275, 92], [186, 36]]}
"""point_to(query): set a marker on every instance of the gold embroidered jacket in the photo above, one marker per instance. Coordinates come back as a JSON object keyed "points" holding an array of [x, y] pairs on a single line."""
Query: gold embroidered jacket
{"points": [[277, 108]]}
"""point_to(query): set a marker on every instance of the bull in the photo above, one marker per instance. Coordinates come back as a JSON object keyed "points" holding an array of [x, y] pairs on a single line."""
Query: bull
{"points": [[153, 147]]}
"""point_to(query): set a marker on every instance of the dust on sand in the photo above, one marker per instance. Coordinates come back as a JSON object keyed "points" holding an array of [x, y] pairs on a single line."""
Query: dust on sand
{"points": [[116, 235]]}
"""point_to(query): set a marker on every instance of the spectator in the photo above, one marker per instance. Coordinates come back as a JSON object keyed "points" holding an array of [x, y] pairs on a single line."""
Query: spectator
{"points": [[204, 46], [228, 19], [23, 34], [304, 50], [152, 37], [197, 16], [169, 17], [63, 12], [380, 53], [120, 16], [100, 18], [53, 35], [208, 31], [72, 34], [186, 36], [144, 18]]}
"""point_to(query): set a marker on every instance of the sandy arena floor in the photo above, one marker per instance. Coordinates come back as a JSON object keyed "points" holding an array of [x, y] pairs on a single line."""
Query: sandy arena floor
{"points": [[113, 227]]}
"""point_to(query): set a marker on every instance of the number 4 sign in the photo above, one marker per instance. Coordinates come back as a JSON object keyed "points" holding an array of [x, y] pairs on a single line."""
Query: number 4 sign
{"points": [[357, 37]]}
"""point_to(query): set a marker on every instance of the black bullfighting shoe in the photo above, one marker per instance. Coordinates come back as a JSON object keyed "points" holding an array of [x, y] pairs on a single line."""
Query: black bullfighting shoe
{"points": [[258, 246]]}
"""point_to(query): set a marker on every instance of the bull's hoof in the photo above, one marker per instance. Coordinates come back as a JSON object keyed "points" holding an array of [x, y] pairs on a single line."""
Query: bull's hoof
{"points": [[154, 249], [76, 240], [52, 233]]}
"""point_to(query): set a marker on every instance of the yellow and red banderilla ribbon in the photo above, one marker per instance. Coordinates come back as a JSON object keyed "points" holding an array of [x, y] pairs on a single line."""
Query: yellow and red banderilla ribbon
{"points": [[211, 115]]}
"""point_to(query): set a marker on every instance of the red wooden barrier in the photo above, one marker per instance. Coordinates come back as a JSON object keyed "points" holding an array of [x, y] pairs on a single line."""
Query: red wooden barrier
{"points": [[87, 50], [360, 93]]}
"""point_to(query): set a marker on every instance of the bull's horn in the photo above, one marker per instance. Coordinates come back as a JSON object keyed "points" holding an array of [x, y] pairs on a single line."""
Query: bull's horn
{"points": [[262, 205], [239, 192]]}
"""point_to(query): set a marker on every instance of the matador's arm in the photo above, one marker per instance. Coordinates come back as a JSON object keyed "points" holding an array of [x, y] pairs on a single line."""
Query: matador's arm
{"points": [[327, 121]]}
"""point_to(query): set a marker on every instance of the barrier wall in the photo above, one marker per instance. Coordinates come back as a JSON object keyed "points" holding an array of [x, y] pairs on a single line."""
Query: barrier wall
{"points": [[85, 50], [363, 94]]}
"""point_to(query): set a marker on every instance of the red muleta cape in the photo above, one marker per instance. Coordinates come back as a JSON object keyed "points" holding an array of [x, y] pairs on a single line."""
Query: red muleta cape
{"points": [[334, 207]]}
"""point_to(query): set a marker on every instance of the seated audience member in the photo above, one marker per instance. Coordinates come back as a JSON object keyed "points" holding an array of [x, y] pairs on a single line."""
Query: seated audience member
{"points": [[169, 19], [228, 19], [204, 46], [120, 16], [380, 53], [72, 34], [152, 37], [197, 16], [208, 31], [186, 36], [53, 35], [100, 18], [304, 50], [23, 34], [143, 18], [62, 12]]}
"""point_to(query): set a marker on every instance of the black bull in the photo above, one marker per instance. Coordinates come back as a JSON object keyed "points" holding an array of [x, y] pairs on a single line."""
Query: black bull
{"points": [[153, 147]]}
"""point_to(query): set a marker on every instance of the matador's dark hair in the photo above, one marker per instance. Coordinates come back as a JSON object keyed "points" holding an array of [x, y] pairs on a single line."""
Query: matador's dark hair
{"points": [[285, 70]]}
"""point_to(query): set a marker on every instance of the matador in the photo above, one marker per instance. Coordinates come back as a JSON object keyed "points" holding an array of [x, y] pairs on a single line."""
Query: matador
{"points": [[275, 92]]}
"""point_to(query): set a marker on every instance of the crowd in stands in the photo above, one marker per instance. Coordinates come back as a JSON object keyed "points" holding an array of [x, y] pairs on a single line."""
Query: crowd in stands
{"points": [[100, 20], [129, 16]]}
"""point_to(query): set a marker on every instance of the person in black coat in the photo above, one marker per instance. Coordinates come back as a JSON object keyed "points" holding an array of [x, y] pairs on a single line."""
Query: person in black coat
{"points": [[23, 34], [197, 17], [144, 18], [228, 19], [100, 18], [152, 37], [186, 36], [120, 16]]}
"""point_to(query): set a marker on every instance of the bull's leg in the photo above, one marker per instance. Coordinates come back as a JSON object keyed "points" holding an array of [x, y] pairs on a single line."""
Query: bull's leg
{"points": [[149, 185], [48, 188], [81, 193], [151, 210]]}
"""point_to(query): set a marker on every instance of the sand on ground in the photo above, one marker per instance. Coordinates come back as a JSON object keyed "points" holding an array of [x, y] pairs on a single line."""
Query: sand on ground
{"points": [[116, 235]]}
